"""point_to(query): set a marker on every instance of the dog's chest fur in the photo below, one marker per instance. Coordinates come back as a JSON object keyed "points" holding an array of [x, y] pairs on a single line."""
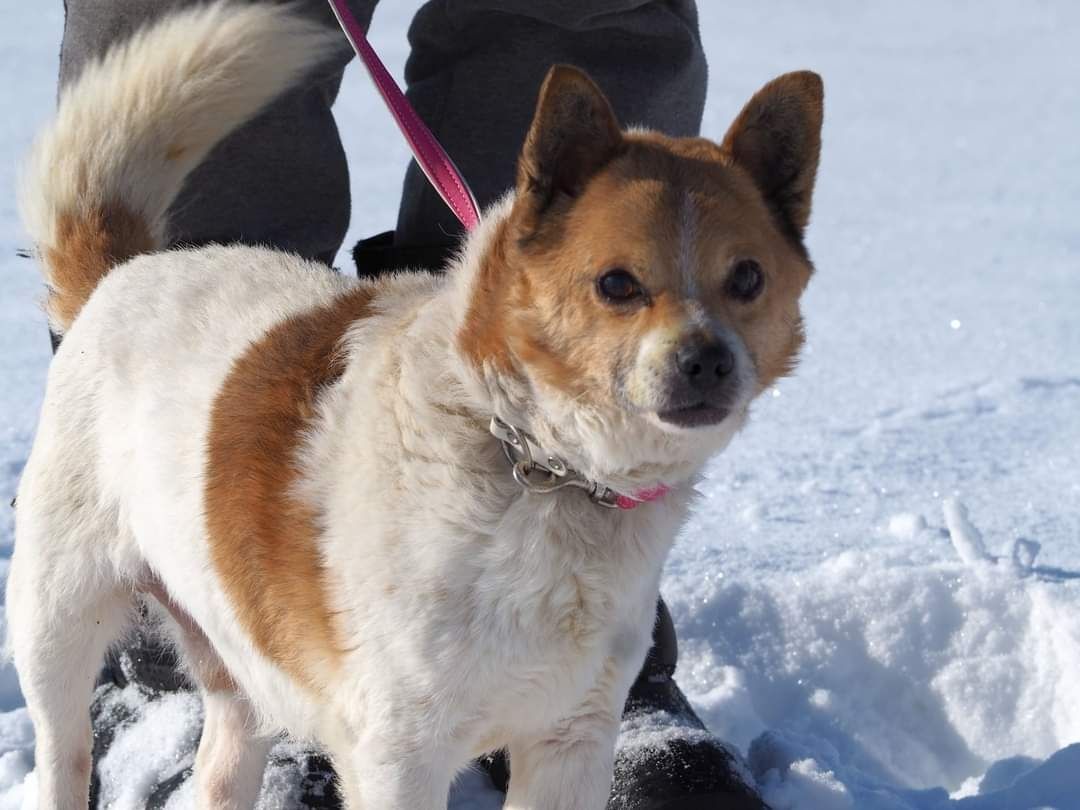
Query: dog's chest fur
{"points": [[449, 581]]}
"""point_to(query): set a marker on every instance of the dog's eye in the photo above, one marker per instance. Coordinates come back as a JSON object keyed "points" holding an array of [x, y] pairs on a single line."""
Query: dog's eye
{"points": [[619, 286], [746, 280]]}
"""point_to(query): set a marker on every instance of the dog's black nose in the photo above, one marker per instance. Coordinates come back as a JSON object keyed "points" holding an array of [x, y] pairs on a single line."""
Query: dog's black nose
{"points": [[705, 364]]}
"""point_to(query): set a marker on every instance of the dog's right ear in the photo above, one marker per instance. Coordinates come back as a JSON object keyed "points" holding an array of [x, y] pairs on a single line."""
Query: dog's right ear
{"points": [[574, 132], [777, 139]]}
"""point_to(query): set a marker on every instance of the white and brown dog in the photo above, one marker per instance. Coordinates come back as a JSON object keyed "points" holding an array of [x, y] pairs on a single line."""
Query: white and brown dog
{"points": [[298, 466]]}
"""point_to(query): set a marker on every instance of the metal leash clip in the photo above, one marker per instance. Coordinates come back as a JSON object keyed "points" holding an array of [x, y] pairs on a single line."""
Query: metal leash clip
{"points": [[543, 477]]}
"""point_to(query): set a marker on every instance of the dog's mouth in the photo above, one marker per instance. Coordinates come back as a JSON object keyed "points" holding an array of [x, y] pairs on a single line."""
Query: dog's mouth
{"points": [[700, 414]]}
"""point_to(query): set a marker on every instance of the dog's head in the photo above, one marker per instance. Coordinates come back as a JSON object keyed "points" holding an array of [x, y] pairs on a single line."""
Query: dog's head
{"points": [[645, 288]]}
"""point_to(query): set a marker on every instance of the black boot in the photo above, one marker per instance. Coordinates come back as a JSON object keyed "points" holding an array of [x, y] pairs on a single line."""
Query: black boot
{"points": [[378, 254], [665, 758]]}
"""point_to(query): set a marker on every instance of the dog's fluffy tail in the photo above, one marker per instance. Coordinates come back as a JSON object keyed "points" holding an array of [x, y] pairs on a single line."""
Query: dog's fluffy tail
{"points": [[100, 179]]}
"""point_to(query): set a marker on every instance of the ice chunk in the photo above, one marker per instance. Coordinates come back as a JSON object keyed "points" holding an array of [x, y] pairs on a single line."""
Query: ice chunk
{"points": [[966, 539]]}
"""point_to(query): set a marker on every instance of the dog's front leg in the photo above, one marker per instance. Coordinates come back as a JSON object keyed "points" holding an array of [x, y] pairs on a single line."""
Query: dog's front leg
{"points": [[554, 773], [387, 775], [570, 766], [569, 769]]}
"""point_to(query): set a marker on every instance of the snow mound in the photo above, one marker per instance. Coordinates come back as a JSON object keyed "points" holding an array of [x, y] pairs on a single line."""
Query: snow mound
{"points": [[872, 679]]}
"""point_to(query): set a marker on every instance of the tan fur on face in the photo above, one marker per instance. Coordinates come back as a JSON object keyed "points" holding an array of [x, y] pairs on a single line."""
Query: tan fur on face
{"points": [[538, 304], [677, 214], [87, 245], [262, 536]]}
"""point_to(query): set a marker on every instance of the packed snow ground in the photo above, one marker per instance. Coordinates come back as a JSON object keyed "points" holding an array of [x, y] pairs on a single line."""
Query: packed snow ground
{"points": [[878, 597]]}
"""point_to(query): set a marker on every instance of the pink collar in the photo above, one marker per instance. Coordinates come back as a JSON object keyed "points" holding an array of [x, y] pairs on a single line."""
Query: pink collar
{"points": [[541, 472], [430, 156], [640, 496]]}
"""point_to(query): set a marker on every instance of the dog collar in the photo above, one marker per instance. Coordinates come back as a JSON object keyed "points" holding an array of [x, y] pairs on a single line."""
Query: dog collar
{"points": [[541, 472]]}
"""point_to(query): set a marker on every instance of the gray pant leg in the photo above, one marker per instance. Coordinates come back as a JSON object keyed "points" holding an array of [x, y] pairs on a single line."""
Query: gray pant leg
{"points": [[476, 67], [280, 180]]}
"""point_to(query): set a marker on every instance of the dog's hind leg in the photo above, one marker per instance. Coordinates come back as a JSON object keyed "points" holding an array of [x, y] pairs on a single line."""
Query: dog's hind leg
{"points": [[63, 612], [231, 759], [232, 755]]}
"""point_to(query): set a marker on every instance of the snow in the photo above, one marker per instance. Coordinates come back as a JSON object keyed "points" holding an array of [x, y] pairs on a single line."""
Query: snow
{"points": [[888, 671], [966, 539], [878, 596]]}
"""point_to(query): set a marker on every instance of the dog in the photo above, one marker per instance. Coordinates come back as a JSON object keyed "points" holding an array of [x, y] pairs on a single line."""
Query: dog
{"points": [[378, 515]]}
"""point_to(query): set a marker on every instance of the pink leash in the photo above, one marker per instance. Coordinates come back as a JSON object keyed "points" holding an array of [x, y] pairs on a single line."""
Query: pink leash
{"points": [[430, 156]]}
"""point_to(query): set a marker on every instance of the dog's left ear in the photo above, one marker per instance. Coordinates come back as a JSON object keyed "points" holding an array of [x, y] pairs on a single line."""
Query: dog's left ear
{"points": [[574, 132], [777, 139]]}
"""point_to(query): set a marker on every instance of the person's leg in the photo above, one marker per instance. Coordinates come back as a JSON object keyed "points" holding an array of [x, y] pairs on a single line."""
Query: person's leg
{"points": [[281, 180], [476, 67]]}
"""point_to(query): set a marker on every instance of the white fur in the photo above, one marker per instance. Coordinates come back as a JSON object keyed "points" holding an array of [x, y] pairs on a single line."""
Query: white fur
{"points": [[493, 618]]}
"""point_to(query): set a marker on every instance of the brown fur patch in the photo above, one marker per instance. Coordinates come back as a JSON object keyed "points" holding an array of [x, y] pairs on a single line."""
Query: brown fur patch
{"points": [[263, 538], [482, 337], [214, 677], [87, 246]]}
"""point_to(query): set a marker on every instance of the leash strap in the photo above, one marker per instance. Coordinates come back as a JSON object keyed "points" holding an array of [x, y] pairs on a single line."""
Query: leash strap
{"points": [[430, 156]]}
